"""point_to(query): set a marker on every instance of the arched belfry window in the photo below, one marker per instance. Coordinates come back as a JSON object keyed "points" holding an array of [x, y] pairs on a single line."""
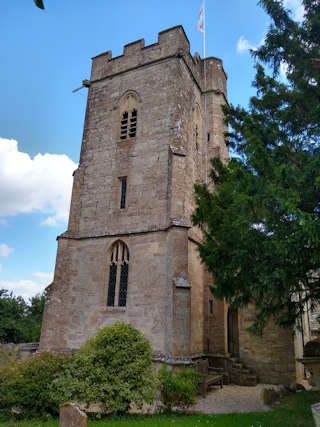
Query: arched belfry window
{"points": [[128, 117], [118, 275]]}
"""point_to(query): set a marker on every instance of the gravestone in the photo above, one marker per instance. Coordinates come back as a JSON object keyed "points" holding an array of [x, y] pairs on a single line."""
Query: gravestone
{"points": [[71, 416]]}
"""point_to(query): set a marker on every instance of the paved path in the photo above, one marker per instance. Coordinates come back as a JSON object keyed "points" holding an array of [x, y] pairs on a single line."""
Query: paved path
{"points": [[231, 398]]}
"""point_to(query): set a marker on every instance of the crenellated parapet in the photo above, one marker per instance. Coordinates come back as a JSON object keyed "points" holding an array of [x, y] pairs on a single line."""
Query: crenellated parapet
{"points": [[172, 43]]}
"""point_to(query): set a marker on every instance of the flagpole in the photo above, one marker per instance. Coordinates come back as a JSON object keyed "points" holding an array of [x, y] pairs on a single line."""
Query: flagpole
{"points": [[205, 88], [204, 29]]}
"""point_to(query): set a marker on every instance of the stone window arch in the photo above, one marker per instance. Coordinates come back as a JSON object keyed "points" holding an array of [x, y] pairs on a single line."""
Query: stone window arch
{"points": [[128, 117], [118, 275]]}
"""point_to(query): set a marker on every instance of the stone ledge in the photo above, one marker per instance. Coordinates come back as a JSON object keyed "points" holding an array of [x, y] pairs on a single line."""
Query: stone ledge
{"points": [[175, 360], [115, 309]]}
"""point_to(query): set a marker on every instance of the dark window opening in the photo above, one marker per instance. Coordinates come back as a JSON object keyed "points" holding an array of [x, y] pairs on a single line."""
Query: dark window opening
{"points": [[196, 137], [123, 284], [123, 193], [133, 124], [208, 137], [128, 127], [112, 283], [118, 275], [124, 125], [211, 306]]}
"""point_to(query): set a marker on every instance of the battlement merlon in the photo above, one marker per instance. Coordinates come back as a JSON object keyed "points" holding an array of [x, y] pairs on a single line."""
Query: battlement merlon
{"points": [[172, 42]]}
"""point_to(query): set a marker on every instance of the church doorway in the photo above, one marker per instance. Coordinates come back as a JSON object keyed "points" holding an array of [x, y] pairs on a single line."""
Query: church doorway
{"points": [[233, 332]]}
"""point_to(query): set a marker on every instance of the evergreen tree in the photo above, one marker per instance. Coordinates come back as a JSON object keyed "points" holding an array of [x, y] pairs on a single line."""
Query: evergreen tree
{"points": [[261, 215], [39, 3]]}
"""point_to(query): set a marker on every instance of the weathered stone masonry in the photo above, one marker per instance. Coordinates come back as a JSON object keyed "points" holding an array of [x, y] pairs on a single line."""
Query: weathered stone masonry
{"points": [[179, 128]]}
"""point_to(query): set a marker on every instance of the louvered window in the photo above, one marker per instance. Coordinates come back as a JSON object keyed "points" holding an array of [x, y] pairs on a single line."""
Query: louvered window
{"points": [[133, 124], [118, 275], [128, 117], [124, 126]]}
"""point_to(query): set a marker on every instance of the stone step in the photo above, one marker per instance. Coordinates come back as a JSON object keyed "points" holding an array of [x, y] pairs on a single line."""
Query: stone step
{"points": [[243, 378], [213, 369]]}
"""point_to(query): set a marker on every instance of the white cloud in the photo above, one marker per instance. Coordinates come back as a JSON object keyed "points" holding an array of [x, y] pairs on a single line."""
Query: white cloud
{"points": [[243, 45], [5, 251], [296, 7], [28, 288], [43, 278], [0, 268], [42, 184]]}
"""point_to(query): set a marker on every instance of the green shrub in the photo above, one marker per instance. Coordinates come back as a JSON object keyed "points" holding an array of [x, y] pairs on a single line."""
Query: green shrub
{"points": [[114, 368], [26, 385], [7, 357], [178, 388]]}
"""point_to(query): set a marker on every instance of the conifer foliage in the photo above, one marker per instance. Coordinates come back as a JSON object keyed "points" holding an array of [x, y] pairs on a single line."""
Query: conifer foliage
{"points": [[261, 215]]}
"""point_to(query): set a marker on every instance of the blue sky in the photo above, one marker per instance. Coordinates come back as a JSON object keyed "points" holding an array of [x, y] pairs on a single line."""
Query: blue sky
{"points": [[44, 56]]}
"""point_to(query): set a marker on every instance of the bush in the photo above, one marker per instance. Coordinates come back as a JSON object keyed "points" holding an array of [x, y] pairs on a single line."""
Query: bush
{"points": [[114, 368], [178, 388], [26, 386], [7, 357]]}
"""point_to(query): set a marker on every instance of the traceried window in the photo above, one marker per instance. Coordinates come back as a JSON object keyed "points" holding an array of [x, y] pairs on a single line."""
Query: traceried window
{"points": [[129, 117], [118, 275]]}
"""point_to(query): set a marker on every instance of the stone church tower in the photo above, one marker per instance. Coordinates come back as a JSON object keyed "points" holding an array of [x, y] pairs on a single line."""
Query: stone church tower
{"points": [[153, 121], [130, 253]]}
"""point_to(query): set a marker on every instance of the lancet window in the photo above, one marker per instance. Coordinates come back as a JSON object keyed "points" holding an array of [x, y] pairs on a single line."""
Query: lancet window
{"points": [[118, 275]]}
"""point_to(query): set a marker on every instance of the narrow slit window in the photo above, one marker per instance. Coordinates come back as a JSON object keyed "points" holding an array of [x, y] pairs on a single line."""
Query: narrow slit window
{"points": [[123, 193], [208, 136], [118, 275], [211, 306]]}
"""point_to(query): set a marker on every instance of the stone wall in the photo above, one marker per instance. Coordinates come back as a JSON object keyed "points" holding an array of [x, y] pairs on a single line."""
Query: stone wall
{"points": [[168, 287], [76, 305], [270, 355]]}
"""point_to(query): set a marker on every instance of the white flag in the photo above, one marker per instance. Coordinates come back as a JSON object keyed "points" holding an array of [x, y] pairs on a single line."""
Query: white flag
{"points": [[200, 26]]}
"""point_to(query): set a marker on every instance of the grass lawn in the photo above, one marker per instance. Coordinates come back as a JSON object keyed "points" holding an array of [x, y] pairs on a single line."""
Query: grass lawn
{"points": [[294, 410]]}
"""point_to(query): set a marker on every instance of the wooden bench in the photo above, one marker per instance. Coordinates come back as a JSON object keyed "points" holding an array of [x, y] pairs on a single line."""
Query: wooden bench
{"points": [[207, 379]]}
